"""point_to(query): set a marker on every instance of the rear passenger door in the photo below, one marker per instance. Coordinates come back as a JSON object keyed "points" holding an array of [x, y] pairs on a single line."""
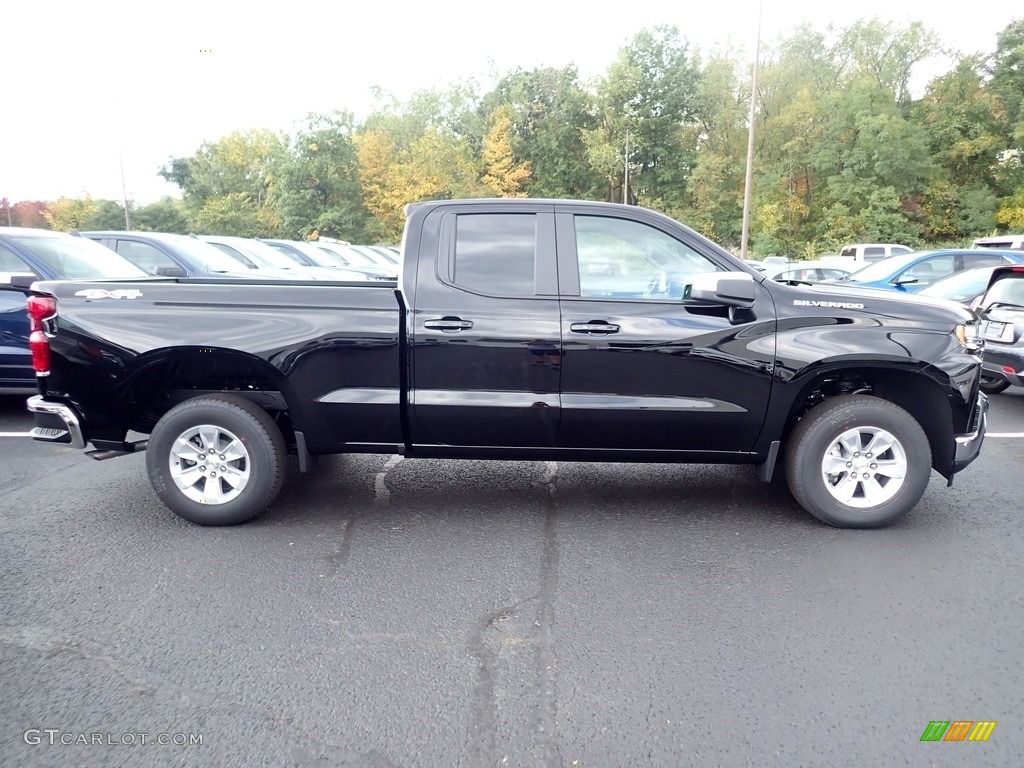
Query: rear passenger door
{"points": [[485, 331]]}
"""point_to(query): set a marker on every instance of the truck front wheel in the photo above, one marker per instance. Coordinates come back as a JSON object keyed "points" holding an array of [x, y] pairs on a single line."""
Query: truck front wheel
{"points": [[858, 461], [216, 459]]}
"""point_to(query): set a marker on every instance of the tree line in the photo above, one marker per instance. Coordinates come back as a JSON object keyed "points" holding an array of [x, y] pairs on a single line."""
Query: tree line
{"points": [[842, 151]]}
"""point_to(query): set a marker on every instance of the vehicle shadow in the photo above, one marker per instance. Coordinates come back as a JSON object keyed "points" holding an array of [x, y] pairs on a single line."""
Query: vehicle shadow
{"points": [[344, 487]]}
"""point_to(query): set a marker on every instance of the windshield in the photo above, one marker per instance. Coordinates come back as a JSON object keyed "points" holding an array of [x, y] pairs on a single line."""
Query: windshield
{"points": [[962, 286], [884, 269], [78, 258], [203, 256], [316, 255], [262, 254], [375, 258], [348, 256], [1007, 290]]}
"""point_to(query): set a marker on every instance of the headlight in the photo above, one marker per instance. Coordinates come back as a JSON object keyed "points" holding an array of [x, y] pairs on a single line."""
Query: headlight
{"points": [[969, 335]]}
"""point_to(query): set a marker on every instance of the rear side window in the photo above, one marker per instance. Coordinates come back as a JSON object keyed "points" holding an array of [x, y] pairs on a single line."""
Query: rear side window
{"points": [[972, 260], [144, 255], [875, 250], [495, 253]]}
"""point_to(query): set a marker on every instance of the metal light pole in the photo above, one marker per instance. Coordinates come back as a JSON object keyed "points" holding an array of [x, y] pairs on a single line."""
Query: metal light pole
{"points": [[749, 183], [124, 193]]}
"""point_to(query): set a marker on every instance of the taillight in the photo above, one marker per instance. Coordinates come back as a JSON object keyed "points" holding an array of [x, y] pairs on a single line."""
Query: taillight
{"points": [[40, 308]]}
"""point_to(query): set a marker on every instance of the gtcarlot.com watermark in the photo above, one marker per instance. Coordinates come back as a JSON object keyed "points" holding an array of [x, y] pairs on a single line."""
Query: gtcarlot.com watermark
{"points": [[55, 736]]}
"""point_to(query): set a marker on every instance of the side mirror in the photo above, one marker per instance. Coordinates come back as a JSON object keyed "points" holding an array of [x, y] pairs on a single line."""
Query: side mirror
{"points": [[733, 289], [17, 281], [171, 272]]}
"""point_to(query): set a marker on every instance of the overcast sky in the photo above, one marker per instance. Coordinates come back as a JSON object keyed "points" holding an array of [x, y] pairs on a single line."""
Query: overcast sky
{"points": [[155, 79]]}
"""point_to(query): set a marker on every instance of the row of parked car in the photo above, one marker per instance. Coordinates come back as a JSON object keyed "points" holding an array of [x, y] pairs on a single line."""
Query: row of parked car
{"points": [[46, 255], [211, 256], [960, 275], [973, 277]]}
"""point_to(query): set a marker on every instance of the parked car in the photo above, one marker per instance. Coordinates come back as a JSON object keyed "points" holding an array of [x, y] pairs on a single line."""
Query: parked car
{"points": [[169, 255], [1012, 242], [381, 257], [965, 287], [44, 255], [498, 344], [805, 271], [307, 254], [268, 260], [1002, 315], [911, 272], [351, 258]]}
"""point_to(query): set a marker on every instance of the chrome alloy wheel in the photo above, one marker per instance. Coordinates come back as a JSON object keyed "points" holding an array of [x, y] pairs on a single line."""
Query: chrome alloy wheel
{"points": [[864, 467], [209, 464]]}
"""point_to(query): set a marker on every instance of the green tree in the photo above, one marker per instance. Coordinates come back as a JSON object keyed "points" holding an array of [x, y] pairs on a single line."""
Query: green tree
{"points": [[549, 110], [650, 93], [316, 181], [68, 213], [231, 214], [165, 215], [107, 215], [886, 53]]}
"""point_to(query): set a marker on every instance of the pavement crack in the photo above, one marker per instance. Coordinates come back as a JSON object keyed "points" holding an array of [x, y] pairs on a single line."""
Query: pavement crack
{"points": [[485, 705], [546, 671], [381, 493], [381, 499]]}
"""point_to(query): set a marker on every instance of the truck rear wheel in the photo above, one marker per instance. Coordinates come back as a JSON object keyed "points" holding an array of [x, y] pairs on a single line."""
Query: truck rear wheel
{"points": [[858, 461], [216, 459]]}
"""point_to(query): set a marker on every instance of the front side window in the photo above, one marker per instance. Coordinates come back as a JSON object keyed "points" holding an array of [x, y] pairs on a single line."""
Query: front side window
{"points": [[626, 259], [495, 253]]}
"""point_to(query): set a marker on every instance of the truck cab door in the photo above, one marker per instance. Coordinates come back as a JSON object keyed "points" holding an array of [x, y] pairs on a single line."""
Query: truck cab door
{"points": [[484, 331], [644, 366]]}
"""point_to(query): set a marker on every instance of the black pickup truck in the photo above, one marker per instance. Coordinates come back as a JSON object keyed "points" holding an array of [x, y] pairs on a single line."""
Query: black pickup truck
{"points": [[518, 329]]}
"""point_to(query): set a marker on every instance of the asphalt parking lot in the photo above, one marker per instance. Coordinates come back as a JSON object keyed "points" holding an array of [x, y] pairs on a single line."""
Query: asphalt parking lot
{"points": [[392, 612]]}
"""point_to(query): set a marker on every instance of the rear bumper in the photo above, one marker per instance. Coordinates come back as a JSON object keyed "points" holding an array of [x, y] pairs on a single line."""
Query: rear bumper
{"points": [[968, 445], [56, 423], [997, 360]]}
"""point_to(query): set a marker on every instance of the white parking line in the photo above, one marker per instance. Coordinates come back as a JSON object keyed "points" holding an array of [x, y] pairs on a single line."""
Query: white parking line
{"points": [[15, 434], [1004, 434]]}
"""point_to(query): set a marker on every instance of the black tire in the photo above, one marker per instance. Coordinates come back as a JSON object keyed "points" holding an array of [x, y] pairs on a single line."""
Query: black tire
{"points": [[812, 441], [263, 464], [992, 383]]}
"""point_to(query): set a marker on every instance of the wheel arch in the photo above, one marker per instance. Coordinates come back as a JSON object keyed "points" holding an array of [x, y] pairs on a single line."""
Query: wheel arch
{"points": [[921, 390], [161, 379]]}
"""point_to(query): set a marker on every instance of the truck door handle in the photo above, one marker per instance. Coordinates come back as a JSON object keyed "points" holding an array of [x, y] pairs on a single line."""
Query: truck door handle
{"points": [[448, 324], [594, 326]]}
